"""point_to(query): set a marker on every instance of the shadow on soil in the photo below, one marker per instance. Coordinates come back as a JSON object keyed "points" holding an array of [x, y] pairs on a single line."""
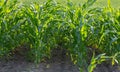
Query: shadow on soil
{"points": [[59, 62]]}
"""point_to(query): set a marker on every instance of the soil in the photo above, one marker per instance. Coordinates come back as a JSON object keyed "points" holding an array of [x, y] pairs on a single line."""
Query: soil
{"points": [[104, 67], [59, 62], [23, 66]]}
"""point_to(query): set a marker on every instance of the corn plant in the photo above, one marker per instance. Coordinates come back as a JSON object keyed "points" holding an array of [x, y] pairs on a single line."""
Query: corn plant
{"points": [[11, 18], [49, 25]]}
